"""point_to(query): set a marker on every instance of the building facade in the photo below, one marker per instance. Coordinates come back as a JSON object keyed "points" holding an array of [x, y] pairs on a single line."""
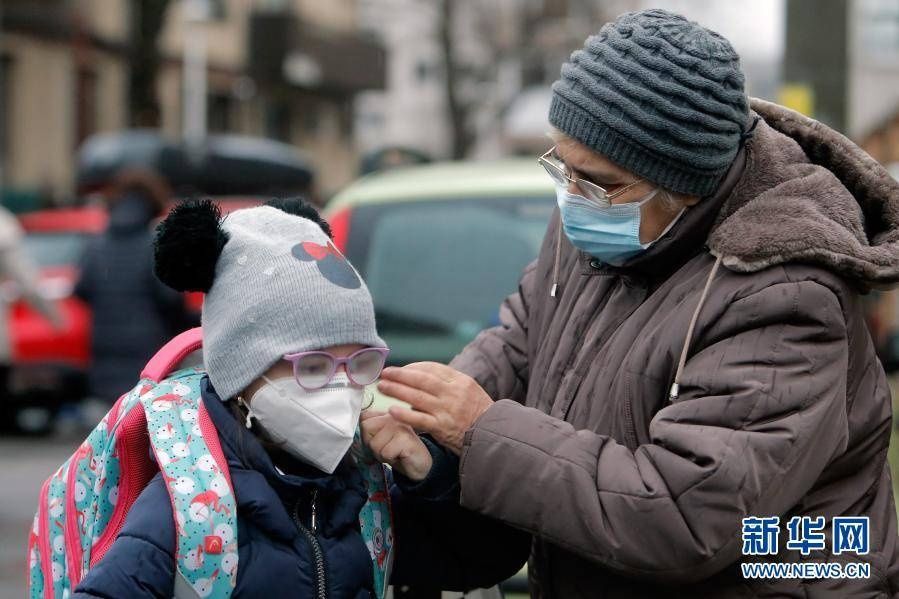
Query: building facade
{"points": [[411, 110], [285, 69]]}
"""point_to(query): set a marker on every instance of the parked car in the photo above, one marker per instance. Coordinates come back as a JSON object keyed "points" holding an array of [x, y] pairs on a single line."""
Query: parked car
{"points": [[49, 365], [440, 246], [223, 165]]}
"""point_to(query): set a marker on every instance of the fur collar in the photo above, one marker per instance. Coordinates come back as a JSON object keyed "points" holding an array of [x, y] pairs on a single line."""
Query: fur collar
{"points": [[808, 194]]}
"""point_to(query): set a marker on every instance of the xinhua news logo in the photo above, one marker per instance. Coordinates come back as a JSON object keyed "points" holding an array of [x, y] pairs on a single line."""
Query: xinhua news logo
{"points": [[849, 535]]}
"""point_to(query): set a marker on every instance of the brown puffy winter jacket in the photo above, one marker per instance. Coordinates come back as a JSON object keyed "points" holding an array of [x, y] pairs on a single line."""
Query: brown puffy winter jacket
{"points": [[634, 488]]}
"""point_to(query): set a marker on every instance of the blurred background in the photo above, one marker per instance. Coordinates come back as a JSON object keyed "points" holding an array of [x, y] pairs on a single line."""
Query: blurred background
{"points": [[414, 124]]}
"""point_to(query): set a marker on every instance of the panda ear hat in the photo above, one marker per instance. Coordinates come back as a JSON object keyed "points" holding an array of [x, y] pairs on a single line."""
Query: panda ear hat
{"points": [[300, 207], [188, 244], [190, 240]]}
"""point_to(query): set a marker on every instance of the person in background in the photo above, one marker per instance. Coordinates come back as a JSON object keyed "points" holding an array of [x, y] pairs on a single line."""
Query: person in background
{"points": [[16, 267], [134, 314]]}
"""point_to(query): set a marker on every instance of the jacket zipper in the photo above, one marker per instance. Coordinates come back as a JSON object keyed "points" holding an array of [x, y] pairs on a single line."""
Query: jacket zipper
{"points": [[321, 588]]}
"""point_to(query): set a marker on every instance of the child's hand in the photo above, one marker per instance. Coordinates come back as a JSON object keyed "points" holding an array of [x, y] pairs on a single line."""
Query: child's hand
{"points": [[395, 444]]}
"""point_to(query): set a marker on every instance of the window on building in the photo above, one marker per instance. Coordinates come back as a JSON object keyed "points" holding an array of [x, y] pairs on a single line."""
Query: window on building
{"points": [[218, 11], [278, 120], [85, 104], [220, 111], [345, 117], [311, 116], [879, 27]]}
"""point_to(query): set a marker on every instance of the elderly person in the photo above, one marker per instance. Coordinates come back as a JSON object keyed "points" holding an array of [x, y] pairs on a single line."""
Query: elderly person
{"points": [[689, 349]]}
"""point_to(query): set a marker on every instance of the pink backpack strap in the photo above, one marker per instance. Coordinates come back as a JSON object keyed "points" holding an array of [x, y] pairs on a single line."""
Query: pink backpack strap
{"points": [[165, 360]]}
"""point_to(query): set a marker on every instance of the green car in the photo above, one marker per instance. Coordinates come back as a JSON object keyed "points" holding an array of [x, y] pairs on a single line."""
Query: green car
{"points": [[440, 246]]}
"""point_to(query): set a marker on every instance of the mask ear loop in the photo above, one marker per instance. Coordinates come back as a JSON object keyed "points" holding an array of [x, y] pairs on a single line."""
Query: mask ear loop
{"points": [[249, 421]]}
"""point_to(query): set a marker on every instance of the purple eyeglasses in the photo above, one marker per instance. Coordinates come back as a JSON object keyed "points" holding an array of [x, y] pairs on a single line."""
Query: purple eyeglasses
{"points": [[315, 369]]}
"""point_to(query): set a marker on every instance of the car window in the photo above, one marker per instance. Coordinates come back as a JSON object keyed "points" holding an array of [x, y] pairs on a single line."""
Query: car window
{"points": [[439, 270], [55, 249]]}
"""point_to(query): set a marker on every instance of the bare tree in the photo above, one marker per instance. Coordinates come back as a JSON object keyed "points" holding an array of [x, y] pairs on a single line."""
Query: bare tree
{"points": [[147, 20], [475, 37], [459, 112], [493, 48]]}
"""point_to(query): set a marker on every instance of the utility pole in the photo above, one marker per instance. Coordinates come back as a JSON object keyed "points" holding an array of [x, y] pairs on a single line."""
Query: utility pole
{"points": [[816, 60], [196, 16]]}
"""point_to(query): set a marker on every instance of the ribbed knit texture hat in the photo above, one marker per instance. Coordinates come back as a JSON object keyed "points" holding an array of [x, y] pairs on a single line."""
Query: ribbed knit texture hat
{"points": [[658, 95], [280, 287]]}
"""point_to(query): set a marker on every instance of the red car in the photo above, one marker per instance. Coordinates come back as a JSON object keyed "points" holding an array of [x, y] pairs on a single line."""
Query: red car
{"points": [[50, 365], [55, 240]]}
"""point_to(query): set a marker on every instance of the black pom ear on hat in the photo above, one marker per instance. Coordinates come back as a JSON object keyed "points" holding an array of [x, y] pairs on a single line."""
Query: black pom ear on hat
{"points": [[188, 244], [300, 207]]}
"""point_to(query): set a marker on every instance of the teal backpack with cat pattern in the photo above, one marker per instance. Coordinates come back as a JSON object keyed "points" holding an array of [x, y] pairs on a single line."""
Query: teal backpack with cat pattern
{"points": [[162, 425]]}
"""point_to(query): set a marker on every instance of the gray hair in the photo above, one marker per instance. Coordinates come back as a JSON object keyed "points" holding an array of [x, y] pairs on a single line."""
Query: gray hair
{"points": [[670, 200]]}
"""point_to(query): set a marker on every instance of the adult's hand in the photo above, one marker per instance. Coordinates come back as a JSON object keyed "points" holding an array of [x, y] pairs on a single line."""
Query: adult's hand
{"points": [[396, 444], [446, 403]]}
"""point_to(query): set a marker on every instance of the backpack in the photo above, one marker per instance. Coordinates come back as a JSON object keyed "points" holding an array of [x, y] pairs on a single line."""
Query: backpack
{"points": [[162, 424]]}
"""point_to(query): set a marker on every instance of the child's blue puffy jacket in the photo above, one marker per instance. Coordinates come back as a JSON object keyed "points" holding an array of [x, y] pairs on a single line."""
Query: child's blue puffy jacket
{"points": [[438, 544]]}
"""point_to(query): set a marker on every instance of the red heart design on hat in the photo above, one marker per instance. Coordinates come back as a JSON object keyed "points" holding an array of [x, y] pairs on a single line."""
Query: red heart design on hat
{"points": [[320, 252]]}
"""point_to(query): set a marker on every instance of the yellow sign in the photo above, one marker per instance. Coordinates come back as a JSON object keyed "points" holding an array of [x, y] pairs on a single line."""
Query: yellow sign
{"points": [[799, 97]]}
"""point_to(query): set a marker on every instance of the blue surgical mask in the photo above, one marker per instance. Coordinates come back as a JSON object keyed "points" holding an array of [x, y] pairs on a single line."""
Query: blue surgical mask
{"points": [[611, 234]]}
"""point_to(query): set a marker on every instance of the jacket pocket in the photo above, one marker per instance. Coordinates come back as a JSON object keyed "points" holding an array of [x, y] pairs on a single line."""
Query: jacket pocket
{"points": [[643, 397]]}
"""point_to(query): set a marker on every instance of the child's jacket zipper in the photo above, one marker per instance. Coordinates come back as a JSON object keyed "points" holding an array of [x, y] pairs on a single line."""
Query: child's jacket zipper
{"points": [[318, 556]]}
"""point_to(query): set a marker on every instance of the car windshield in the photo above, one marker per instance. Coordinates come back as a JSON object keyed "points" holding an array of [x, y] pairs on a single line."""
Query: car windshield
{"points": [[55, 249], [439, 270]]}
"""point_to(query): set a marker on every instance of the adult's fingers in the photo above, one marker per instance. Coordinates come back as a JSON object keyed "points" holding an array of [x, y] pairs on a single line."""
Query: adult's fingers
{"points": [[417, 420], [422, 378], [447, 374], [420, 400]]}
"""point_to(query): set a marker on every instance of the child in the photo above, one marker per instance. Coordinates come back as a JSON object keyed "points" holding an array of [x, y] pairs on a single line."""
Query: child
{"points": [[289, 345]]}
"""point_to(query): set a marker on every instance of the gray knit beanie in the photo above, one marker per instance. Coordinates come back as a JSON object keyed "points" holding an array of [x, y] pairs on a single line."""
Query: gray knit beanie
{"points": [[660, 96], [278, 286]]}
